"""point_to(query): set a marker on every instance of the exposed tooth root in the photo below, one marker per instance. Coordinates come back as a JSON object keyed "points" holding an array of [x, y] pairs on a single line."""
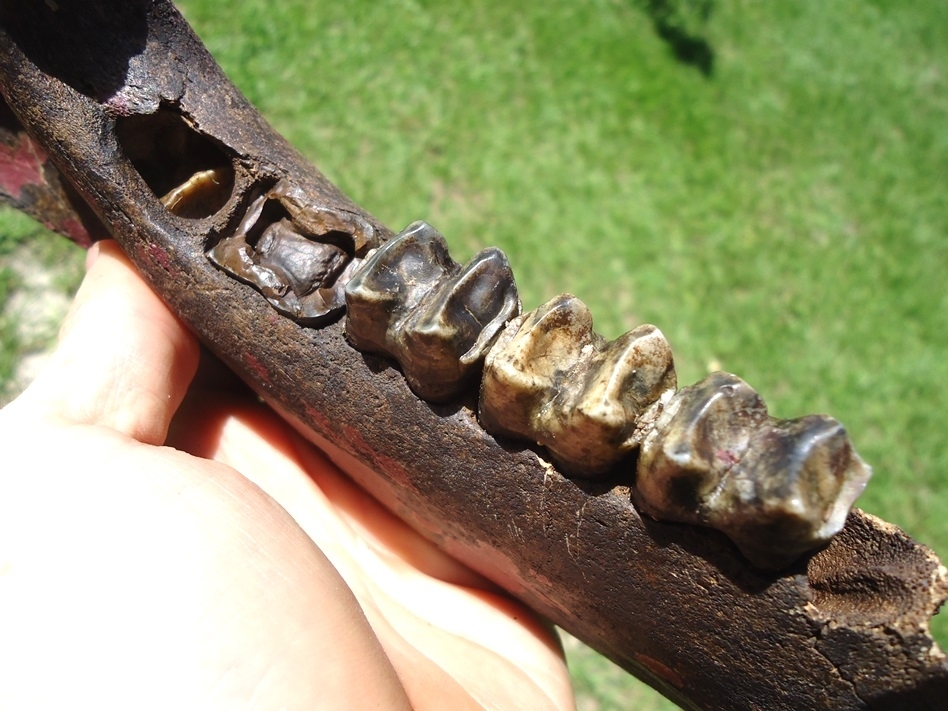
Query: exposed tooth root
{"points": [[552, 380], [300, 263], [412, 302], [777, 488], [201, 195]]}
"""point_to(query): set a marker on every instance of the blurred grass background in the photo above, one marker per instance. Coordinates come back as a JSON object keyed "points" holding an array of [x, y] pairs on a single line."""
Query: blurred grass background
{"points": [[765, 181]]}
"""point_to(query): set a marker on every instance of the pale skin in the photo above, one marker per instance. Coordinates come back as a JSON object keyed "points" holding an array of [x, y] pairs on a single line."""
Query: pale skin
{"points": [[167, 542]]}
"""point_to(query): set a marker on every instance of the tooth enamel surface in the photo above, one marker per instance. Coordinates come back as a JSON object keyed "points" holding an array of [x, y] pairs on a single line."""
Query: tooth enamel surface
{"points": [[412, 302], [792, 490], [300, 263], [777, 488], [552, 380], [703, 432], [203, 194]]}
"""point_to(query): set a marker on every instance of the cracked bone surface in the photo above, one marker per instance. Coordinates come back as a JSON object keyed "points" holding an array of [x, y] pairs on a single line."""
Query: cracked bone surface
{"points": [[552, 380], [412, 302], [300, 262], [776, 488]]}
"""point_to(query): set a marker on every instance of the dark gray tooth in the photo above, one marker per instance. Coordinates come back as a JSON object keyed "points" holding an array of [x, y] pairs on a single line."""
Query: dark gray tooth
{"points": [[391, 282], [441, 344], [552, 380], [792, 491], [412, 302], [703, 431], [777, 488], [316, 220], [299, 263]]}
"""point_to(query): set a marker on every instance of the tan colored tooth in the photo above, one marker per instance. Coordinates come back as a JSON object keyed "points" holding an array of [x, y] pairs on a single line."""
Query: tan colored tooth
{"points": [[201, 195], [552, 380], [777, 488], [412, 302]]}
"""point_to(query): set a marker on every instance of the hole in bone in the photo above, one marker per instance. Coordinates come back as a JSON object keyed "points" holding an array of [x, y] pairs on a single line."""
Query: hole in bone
{"points": [[186, 170]]}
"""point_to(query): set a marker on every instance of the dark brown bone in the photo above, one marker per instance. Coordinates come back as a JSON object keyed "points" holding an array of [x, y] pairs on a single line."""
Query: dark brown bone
{"points": [[674, 604]]}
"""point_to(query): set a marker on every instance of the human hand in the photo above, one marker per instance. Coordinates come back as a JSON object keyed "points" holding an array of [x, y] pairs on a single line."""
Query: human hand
{"points": [[167, 546]]}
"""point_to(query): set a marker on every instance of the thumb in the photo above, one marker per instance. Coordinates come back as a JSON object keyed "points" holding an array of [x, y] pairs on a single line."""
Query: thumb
{"points": [[123, 360]]}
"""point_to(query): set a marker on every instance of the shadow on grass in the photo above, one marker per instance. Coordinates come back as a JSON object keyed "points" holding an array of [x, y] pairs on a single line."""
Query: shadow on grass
{"points": [[681, 23]]}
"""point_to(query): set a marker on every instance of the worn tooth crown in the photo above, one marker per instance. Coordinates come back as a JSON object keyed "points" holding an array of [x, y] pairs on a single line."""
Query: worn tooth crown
{"points": [[704, 431], [777, 488], [295, 261], [792, 491], [412, 302], [552, 380]]}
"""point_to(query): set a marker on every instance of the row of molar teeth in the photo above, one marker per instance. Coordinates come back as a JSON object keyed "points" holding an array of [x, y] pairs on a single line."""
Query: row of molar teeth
{"points": [[437, 319], [776, 488], [552, 380], [709, 454]]}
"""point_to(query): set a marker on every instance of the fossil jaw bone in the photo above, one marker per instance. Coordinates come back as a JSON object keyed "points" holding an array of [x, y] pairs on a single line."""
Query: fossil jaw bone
{"points": [[709, 454], [552, 380], [412, 302], [777, 488]]}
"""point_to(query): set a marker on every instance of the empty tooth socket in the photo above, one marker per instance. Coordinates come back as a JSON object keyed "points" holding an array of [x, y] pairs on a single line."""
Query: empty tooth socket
{"points": [[412, 302], [777, 488], [552, 380]]}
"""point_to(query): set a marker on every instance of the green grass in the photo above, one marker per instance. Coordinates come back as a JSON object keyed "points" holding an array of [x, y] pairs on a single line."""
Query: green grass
{"points": [[784, 217]]}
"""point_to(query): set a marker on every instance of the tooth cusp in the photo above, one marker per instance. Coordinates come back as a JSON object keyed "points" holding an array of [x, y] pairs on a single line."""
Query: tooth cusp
{"points": [[412, 302], [776, 488], [792, 491], [552, 380]]}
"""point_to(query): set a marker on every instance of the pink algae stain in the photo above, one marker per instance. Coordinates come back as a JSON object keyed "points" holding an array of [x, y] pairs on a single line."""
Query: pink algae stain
{"points": [[21, 164], [256, 368], [319, 419], [161, 256], [382, 463], [727, 457], [75, 230], [660, 670]]}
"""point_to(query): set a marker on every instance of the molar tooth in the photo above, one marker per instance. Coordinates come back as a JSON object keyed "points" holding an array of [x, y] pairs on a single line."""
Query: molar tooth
{"points": [[528, 365], [442, 342], [301, 273], [777, 488], [201, 195], [392, 282], [412, 302], [792, 490], [552, 380], [704, 431]]}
